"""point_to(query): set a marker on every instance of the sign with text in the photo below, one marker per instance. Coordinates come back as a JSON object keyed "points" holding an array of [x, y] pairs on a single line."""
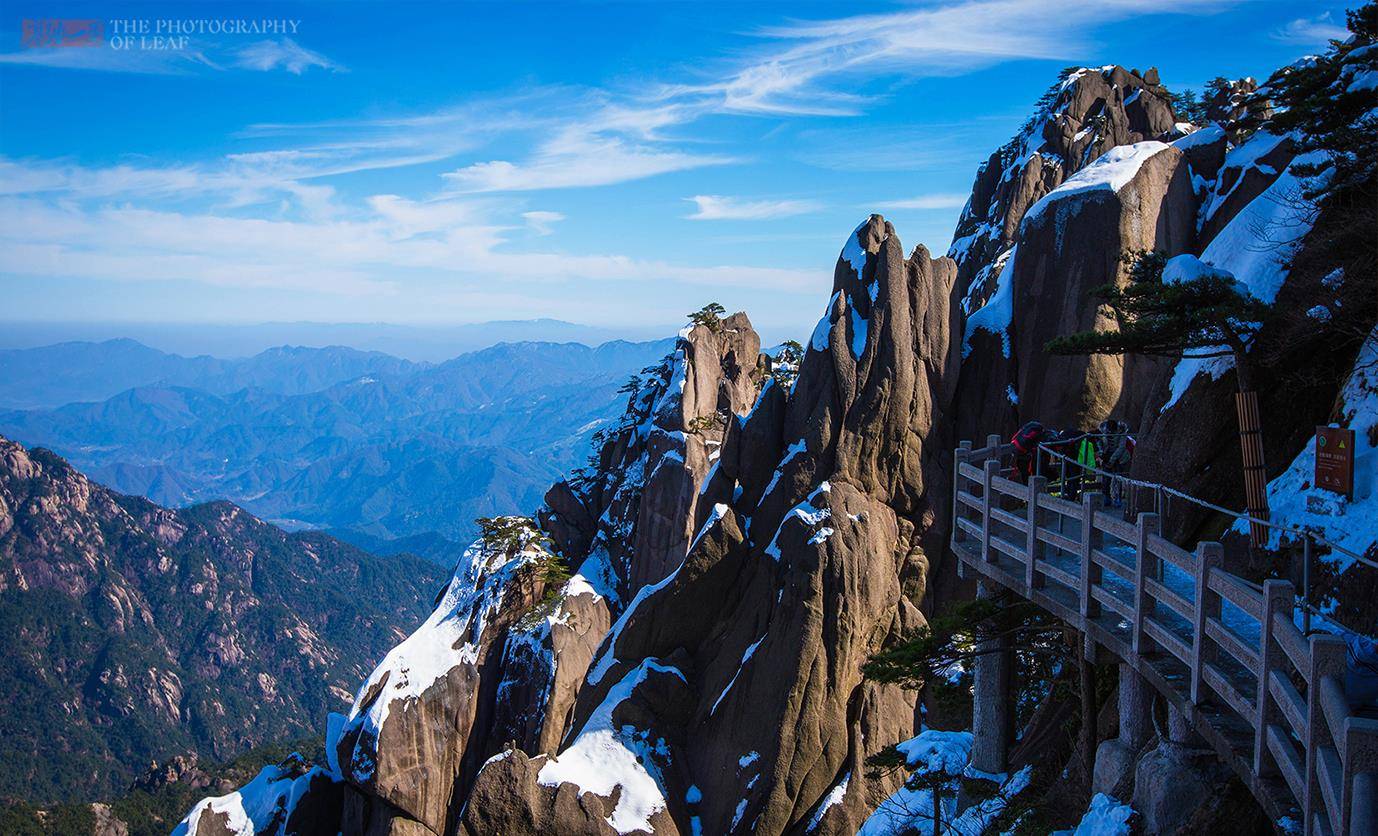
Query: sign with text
{"points": [[1335, 459]]}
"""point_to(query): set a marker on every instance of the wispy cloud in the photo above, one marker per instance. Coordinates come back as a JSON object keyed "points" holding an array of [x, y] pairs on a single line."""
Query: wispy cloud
{"points": [[104, 59], [578, 158], [542, 222], [1312, 31], [285, 53], [939, 200], [200, 55], [807, 66], [721, 208]]}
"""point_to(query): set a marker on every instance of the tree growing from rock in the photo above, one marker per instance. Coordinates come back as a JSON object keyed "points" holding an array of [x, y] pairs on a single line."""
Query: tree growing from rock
{"points": [[709, 316], [1199, 316], [784, 369]]}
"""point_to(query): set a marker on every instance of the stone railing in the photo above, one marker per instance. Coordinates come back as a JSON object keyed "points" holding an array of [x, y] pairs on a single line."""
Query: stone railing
{"points": [[1224, 652]]}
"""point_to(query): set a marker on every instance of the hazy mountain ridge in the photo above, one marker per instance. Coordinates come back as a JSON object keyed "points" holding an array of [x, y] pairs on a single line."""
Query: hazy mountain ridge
{"points": [[71, 372], [398, 449], [416, 342]]}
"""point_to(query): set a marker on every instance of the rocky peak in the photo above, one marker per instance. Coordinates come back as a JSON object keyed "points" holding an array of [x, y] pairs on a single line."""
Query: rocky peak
{"points": [[627, 519], [1086, 113], [734, 683]]}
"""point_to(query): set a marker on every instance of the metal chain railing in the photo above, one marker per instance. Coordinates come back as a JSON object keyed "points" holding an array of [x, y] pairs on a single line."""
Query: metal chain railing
{"points": [[1310, 541]]}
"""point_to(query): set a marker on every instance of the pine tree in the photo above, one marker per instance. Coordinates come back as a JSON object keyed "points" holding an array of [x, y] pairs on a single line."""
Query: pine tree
{"points": [[709, 316], [1202, 316]]}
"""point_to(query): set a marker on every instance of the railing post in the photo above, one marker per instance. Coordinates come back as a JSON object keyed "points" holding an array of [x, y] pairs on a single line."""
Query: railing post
{"points": [[1209, 556], [1144, 568], [1356, 793], [1090, 571], [991, 468], [959, 458], [958, 535], [1327, 659], [1305, 584], [1277, 599], [1032, 546]]}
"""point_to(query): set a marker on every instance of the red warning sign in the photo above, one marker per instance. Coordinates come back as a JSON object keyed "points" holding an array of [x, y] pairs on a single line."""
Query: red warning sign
{"points": [[1335, 459]]}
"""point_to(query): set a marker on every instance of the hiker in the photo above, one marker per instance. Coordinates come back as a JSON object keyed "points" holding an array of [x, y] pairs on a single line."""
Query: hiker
{"points": [[1084, 447], [1062, 447], [1115, 451], [1026, 440]]}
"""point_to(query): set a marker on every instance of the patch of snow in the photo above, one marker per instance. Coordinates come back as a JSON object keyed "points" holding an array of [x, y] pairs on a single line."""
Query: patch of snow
{"points": [[447, 639], [746, 657], [334, 727], [852, 252], [719, 511], [937, 751], [748, 759], [793, 450], [737, 816], [607, 650], [1284, 214], [996, 315], [257, 805], [1187, 268], [1257, 263], [1111, 171], [832, 799], [1366, 80], [820, 339], [693, 795], [1205, 136], [604, 757], [1105, 817], [810, 514], [859, 331]]}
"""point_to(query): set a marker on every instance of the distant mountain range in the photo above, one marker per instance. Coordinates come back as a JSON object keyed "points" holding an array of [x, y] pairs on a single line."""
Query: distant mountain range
{"points": [[422, 343], [84, 371], [369, 445], [135, 632]]}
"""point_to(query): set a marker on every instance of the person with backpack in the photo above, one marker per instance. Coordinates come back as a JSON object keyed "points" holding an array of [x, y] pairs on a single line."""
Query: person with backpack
{"points": [[1085, 447], [1116, 449], [1026, 440]]}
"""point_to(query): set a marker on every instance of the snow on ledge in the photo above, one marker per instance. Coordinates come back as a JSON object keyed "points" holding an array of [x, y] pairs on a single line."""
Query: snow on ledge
{"points": [[605, 756], [1111, 171]]}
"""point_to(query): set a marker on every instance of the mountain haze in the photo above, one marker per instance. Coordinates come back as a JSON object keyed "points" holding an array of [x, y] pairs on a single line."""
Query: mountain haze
{"points": [[360, 443]]}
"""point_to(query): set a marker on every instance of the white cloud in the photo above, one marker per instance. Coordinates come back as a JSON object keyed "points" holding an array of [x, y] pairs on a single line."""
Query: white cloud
{"points": [[720, 208], [579, 157], [938, 39], [1314, 31], [367, 249], [542, 222], [285, 53], [940, 200]]}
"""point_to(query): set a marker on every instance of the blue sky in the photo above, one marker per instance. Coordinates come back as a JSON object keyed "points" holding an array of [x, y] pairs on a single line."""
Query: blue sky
{"points": [[606, 163]]}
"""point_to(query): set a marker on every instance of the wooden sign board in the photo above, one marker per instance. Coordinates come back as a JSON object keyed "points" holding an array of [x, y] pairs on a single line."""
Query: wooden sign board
{"points": [[1335, 460]]}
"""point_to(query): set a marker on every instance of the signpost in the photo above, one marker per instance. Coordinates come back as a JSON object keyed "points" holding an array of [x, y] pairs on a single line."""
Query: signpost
{"points": [[1335, 460]]}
